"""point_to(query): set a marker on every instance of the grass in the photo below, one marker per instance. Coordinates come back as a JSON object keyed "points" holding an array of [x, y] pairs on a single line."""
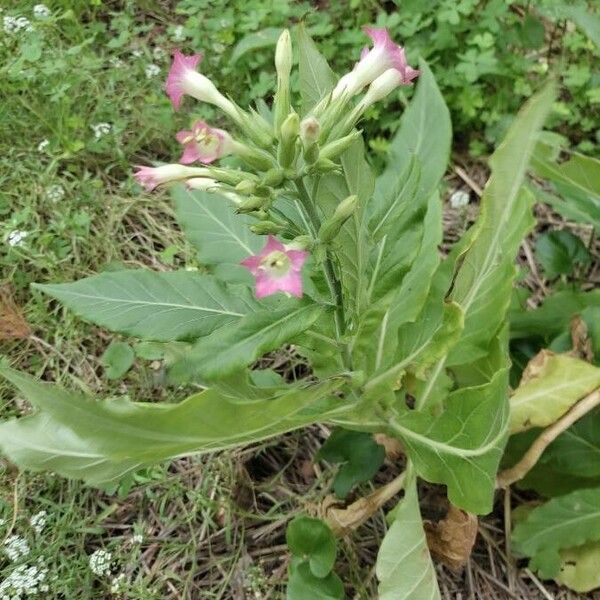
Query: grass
{"points": [[209, 527]]}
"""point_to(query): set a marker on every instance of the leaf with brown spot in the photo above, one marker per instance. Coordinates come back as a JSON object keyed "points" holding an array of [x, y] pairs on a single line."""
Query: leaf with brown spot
{"points": [[393, 446], [582, 343], [12, 324], [451, 540]]}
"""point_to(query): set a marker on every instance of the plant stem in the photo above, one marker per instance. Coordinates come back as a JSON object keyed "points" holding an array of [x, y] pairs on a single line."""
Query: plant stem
{"points": [[547, 436], [332, 281]]}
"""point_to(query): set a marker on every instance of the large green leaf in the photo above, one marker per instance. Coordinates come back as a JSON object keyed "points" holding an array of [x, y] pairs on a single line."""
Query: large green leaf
{"points": [[264, 38], [483, 282], [462, 446], [562, 522], [100, 441], [555, 382], [316, 77], [221, 236], [154, 306], [425, 131], [239, 344], [579, 567], [404, 567]]}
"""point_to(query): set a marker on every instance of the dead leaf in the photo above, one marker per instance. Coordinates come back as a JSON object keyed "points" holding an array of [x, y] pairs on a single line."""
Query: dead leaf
{"points": [[535, 366], [582, 344], [12, 324], [451, 540], [393, 447]]}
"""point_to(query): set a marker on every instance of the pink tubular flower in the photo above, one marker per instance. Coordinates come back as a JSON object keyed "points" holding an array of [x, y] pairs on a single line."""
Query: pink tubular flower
{"points": [[151, 177], [384, 55], [277, 269], [184, 79], [203, 143]]}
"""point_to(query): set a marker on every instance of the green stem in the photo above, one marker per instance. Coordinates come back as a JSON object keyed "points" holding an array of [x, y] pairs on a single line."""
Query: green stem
{"points": [[332, 281]]}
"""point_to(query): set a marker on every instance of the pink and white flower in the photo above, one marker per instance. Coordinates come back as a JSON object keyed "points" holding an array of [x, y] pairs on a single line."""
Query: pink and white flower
{"points": [[204, 143], [151, 177], [184, 79], [277, 269], [384, 55]]}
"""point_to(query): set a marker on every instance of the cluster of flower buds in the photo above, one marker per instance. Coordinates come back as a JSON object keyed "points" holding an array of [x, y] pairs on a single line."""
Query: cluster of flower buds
{"points": [[277, 151]]}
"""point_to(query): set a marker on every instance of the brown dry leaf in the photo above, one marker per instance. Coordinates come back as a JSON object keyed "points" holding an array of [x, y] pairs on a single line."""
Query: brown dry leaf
{"points": [[451, 539], [393, 447], [12, 324], [535, 366], [582, 344]]}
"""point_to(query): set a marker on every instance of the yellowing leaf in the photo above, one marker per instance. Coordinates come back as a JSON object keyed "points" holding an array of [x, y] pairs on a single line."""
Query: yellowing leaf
{"points": [[579, 567], [551, 384]]}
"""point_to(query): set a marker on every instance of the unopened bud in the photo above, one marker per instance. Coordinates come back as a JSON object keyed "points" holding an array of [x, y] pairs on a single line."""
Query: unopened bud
{"points": [[323, 165], [283, 54], [344, 210], [230, 176], [283, 65], [334, 149], [251, 204], [265, 228], [382, 86], [287, 144], [301, 242], [273, 178], [246, 187], [255, 157], [310, 130]]}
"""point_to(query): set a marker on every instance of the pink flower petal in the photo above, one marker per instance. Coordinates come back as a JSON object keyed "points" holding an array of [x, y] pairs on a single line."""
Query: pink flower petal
{"points": [[190, 154], [251, 263], [179, 67], [298, 258], [272, 245]]}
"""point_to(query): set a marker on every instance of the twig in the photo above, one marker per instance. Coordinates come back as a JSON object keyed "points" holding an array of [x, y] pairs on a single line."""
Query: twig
{"points": [[533, 266], [538, 585], [463, 175], [547, 436]]}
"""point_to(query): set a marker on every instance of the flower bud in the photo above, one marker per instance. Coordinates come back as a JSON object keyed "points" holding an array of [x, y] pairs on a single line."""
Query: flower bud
{"points": [[273, 178], [246, 187], [230, 176], [283, 65], [287, 144], [344, 210], [265, 228], [323, 165], [283, 54], [382, 86], [334, 149], [255, 157], [251, 204], [310, 130]]}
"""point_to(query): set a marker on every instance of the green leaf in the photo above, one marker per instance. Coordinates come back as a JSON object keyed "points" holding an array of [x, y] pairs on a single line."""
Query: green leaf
{"points": [[554, 383], [255, 41], [483, 282], [360, 457], [559, 252], [101, 441], [303, 585], [579, 567], [312, 540], [241, 343], [462, 446], [221, 236], [562, 522], [316, 77], [553, 316], [404, 567], [425, 132], [154, 306], [117, 359]]}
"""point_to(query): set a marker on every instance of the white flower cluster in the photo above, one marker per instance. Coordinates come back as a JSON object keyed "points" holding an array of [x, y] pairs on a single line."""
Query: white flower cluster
{"points": [[15, 547], [137, 53], [38, 521], [137, 538], [16, 237], [24, 581], [101, 129], [55, 192], [178, 34], [118, 583], [158, 53], [100, 562], [152, 70], [15, 24], [41, 11], [43, 145], [116, 62]]}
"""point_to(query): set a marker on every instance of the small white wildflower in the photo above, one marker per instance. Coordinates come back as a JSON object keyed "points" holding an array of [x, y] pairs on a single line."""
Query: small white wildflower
{"points": [[16, 237], [101, 129], [24, 580], [16, 547], [38, 521], [100, 562], [14, 24], [43, 145], [137, 538], [41, 11], [158, 53], [55, 192], [117, 583], [116, 62], [178, 34], [137, 53], [152, 70], [459, 199]]}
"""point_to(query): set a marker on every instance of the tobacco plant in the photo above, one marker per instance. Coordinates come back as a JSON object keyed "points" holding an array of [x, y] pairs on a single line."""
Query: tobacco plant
{"points": [[303, 246]]}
